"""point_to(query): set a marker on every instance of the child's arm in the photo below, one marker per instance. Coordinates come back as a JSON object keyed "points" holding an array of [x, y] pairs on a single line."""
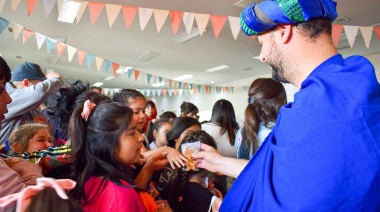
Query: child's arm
{"points": [[173, 156], [154, 163]]}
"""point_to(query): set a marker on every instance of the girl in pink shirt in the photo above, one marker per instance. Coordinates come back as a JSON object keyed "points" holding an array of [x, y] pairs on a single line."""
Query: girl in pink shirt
{"points": [[104, 144]]}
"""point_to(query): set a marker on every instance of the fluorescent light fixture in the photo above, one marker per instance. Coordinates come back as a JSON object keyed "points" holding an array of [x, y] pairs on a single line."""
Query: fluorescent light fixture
{"points": [[212, 82], [1, 54], [184, 37], [108, 78], [119, 71], [158, 84], [68, 12], [218, 68], [256, 57], [148, 56], [183, 77], [98, 84]]}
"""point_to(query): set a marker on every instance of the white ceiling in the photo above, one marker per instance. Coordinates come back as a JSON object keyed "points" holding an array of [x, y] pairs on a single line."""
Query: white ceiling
{"points": [[123, 46]]}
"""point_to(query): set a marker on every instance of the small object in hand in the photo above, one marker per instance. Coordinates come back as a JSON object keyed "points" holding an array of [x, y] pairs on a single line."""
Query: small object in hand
{"points": [[187, 150]]}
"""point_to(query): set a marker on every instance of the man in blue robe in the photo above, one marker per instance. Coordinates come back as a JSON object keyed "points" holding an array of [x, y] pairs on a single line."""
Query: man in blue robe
{"points": [[324, 152]]}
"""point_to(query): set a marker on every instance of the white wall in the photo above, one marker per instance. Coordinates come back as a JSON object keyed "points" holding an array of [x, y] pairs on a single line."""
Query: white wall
{"points": [[205, 102]]}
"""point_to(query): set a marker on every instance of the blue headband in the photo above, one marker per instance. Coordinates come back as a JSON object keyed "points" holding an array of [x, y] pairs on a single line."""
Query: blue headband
{"points": [[266, 15]]}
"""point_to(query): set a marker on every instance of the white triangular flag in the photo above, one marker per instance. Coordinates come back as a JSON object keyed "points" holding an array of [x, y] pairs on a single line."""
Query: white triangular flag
{"points": [[82, 8], [71, 52], [99, 62], [144, 15], [2, 2], [16, 29], [40, 39], [235, 25], [202, 20], [351, 33], [160, 17], [48, 6], [188, 21], [112, 12], [367, 35]]}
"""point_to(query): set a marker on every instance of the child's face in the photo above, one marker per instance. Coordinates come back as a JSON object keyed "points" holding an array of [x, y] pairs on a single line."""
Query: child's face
{"points": [[130, 146], [160, 135], [40, 141], [148, 111], [138, 106], [191, 129]]}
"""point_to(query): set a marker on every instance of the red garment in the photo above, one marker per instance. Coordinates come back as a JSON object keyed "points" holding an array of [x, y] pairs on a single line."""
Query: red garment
{"points": [[112, 198], [153, 116]]}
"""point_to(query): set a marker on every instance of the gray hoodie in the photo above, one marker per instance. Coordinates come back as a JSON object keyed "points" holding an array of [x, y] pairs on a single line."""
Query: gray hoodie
{"points": [[24, 104]]}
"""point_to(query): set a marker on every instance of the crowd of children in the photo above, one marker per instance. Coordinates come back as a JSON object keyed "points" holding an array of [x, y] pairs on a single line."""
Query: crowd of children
{"points": [[118, 153]]}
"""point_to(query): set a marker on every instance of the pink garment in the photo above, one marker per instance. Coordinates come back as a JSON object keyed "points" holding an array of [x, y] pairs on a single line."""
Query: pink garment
{"points": [[112, 198]]}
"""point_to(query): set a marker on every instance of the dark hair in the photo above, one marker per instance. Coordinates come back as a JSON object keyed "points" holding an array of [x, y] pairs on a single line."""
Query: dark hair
{"points": [[183, 176], [315, 27], [224, 115], [93, 144], [168, 115], [124, 95], [180, 124], [155, 126], [60, 105], [269, 96], [48, 200], [188, 107], [5, 71], [96, 88], [93, 96]]}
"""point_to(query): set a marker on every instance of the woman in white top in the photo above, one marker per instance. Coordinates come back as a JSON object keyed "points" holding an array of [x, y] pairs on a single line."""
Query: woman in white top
{"points": [[223, 127], [265, 98]]}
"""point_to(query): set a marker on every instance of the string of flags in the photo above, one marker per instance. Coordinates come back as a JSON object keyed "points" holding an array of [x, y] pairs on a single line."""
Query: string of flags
{"points": [[160, 16], [175, 87]]}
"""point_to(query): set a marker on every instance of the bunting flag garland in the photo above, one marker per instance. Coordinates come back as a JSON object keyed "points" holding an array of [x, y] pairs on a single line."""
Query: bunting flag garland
{"points": [[26, 34], [30, 5], [112, 12], [218, 23], [95, 9], [175, 18], [175, 87]]}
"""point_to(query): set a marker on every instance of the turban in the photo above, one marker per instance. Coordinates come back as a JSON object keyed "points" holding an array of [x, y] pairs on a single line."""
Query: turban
{"points": [[265, 15]]}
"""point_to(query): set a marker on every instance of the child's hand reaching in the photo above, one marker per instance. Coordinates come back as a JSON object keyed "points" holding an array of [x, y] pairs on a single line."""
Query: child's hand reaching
{"points": [[157, 162], [175, 157]]}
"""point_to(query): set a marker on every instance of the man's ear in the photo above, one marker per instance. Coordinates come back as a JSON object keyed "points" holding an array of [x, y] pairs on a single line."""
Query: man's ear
{"points": [[25, 83], [286, 31]]}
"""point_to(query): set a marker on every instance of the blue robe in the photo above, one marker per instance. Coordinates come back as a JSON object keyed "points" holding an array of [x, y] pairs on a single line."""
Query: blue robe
{"points": [[324, 152]]}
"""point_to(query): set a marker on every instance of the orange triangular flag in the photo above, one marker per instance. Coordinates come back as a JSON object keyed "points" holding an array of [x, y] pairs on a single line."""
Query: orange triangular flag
{"points": [[175, 91], [112, 12], [81, 55], [218, 22], [26, 34], [202, 20], [175, 19], [115, 66], [137, 73], [30, 5], [129, 15], [164, 91], [170, 83], [336, 32], [15, 4], [95, 8], [377, 31], [60, 48]]}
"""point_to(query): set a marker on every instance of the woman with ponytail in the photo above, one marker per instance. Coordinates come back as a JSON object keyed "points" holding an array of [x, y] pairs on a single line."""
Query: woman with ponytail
{"points": [[265, 98]]}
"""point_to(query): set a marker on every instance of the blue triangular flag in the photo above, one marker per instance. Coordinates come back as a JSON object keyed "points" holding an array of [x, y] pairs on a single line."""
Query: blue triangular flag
{"points": [[50, 44], [3, 24]]}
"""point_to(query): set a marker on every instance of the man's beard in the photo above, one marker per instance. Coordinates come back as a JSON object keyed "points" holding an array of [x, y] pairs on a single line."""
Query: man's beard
{"points": [[278, 73]]}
